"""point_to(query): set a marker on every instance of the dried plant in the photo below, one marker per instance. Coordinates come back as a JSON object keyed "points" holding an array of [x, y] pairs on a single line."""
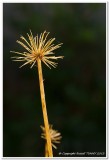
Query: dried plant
{"points": [[39, 49], [54, 135]]}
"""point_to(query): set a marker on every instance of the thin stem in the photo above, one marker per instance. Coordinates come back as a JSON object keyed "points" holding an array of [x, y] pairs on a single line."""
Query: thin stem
{"points": [[44, 110], [46, 150]]}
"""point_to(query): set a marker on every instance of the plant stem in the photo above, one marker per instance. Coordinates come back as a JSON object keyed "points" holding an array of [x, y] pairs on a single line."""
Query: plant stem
{"points": [[44, 110], [46, 150]]}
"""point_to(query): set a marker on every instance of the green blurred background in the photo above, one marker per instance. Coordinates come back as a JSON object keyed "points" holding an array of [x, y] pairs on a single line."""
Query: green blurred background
{"points": [[75, 90]]}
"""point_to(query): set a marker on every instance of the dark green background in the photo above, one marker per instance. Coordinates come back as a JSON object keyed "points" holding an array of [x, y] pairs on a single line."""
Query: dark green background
{"points": [[75, 90]]}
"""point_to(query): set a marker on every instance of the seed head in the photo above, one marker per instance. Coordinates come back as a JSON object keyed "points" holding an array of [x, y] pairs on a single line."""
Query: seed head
{"points": [[37, 48], [55, 135]]}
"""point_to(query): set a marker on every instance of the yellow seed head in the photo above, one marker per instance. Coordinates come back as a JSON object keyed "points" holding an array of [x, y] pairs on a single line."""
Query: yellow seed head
{"points": [[37, 48], [54, 135]]}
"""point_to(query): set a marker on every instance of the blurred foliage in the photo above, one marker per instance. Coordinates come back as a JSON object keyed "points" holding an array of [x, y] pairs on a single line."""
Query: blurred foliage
{"points": [[75, 90]]}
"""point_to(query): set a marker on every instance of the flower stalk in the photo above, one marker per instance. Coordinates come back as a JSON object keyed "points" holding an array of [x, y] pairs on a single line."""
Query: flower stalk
{"points": [[46, 150], [44, 110]]}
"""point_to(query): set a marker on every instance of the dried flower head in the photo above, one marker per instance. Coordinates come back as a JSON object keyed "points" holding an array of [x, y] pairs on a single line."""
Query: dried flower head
{"points": [[37, 48], [55, 135]]}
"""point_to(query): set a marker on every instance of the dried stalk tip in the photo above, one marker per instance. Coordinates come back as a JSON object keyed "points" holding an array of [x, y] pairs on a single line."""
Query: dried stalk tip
{"points": [[37, 47], [55, 135]]}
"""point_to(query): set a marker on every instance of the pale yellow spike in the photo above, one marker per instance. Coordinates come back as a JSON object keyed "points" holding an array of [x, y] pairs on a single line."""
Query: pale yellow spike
{"points": [[53, 57], [18, 53], [48, 43], [25, 41], [23, 45], [46, 63], [25, 63], [33, 64]]}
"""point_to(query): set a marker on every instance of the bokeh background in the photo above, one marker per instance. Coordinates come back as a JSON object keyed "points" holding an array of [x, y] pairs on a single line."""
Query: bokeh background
{"points": [[75, 90]]}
